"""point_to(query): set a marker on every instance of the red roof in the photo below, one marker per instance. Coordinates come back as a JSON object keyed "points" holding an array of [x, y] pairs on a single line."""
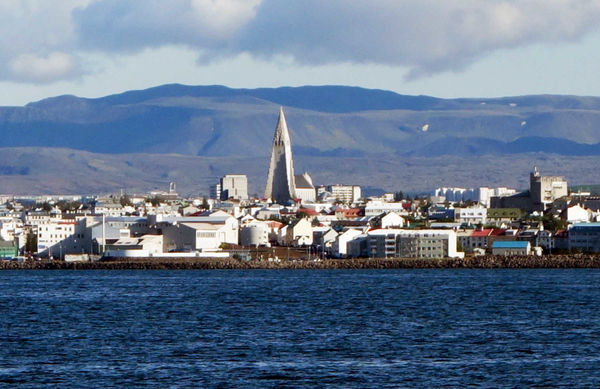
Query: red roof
{"points": [[275, 224], [308, 211], [352, 212], [497, 231], [482, 233]]}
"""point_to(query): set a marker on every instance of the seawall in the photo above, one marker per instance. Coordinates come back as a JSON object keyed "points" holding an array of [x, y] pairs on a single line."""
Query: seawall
{"points": [[483, 262]]}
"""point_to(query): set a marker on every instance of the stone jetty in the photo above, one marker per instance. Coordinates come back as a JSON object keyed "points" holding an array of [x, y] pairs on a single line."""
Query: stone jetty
{"points": [[482, 262]]}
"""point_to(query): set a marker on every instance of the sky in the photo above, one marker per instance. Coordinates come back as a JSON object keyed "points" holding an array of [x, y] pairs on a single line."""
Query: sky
{"points": [[443, 48]]}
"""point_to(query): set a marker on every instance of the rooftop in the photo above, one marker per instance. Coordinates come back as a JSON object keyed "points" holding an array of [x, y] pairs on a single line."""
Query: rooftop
{"points": [[510, 244]]}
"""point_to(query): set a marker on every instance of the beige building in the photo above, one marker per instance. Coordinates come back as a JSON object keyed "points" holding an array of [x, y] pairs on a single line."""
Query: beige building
{"points": [[234, 186], [299, 233], [545, 189]]}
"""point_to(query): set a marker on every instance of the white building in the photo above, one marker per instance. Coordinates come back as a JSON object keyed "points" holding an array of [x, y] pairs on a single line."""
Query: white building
{"points": [[144, 246], [199, 233], [376, 207], [11, 229], [412, 244], [392, 220], [299, 233], [472, 216], [62, 237], [481, 195], [255, 233], [340, 245], [346, 194], [514, 247], [305, 190], [578, 214]]}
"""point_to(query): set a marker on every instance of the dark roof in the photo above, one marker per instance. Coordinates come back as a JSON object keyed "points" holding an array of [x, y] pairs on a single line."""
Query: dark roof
{"points": [[301, 182], [5, 243]]}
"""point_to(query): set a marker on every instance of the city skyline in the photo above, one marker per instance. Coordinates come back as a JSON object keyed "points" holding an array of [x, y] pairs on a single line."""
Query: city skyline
{"points": [[93, 48]]}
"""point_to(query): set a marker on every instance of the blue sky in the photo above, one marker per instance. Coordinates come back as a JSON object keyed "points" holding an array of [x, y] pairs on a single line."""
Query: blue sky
{"points": [[460, 48]]}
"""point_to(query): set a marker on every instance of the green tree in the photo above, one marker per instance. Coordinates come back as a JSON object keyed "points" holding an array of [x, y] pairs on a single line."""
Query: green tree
{"points": [[125, 201], [31, 243], [205, 204], [155, 201]]}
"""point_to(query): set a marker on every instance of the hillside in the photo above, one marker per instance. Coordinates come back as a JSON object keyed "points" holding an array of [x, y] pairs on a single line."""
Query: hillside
{"points": [[366, 131], [54, 170]]}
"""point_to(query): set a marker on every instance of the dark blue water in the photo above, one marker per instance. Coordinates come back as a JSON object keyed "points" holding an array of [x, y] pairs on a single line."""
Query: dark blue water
{"points": [[414, 328]]}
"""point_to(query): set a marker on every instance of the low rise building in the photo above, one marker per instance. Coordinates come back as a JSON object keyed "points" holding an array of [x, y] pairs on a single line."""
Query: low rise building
{"points": [[413, 244], [340, 245], [299, 233], [471, 216], [585, 237], [511, 248]]}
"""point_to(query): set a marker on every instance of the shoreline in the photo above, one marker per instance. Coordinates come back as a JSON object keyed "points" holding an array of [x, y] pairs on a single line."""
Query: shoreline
{"points": [[576, 261]]}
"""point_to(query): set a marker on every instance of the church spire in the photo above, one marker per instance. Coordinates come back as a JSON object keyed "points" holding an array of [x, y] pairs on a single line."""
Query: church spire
{"points": [[280, 180]]}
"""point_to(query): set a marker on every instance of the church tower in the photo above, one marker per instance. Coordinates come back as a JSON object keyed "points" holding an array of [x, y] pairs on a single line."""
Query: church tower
{"points": [[280, 181]]}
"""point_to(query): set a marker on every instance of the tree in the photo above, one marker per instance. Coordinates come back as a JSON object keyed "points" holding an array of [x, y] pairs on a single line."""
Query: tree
{"points": [[125, 201], [155, 201], [46, 206], [398, 196], [205, 204], [66, 206], [553, 224], [31, 243]]}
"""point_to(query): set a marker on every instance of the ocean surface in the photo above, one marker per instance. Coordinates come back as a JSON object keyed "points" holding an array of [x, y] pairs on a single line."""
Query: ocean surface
{"points": [[296, 328]]}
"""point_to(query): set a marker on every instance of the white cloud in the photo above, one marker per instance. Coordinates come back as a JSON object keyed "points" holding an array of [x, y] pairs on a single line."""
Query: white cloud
{"points": [[224, 17], [33, 68], [427, 37]]}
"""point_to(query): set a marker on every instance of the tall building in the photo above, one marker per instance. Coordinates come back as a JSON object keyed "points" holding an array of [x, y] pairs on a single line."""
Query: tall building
{"points": [[234, 186], [545, 189], [281, 187], [347, 194], [215, 191]]}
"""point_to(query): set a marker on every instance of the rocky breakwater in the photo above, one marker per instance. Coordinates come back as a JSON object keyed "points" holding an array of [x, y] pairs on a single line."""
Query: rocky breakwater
{"points": [[483, 262]]}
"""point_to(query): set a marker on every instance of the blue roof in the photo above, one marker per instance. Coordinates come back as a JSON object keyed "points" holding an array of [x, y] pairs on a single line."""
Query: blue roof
{"points": [[587, 225], [510, 244]]}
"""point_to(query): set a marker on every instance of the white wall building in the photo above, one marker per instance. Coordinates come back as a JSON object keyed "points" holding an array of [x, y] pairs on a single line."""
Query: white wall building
{"points": [[340, 245], [392, 220], [305, 189], [376, 207], [299, 233], [255, 233], [62, 237], [412, 243], [199, 233], [472, 216], [346, 194], [578, 214]]}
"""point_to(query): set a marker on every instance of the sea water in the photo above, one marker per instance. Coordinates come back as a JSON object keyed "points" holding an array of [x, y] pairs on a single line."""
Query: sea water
{"points": [[300, 328]]}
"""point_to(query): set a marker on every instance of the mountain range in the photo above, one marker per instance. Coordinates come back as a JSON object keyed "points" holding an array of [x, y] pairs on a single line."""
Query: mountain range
{"points": [[339, 133]]}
